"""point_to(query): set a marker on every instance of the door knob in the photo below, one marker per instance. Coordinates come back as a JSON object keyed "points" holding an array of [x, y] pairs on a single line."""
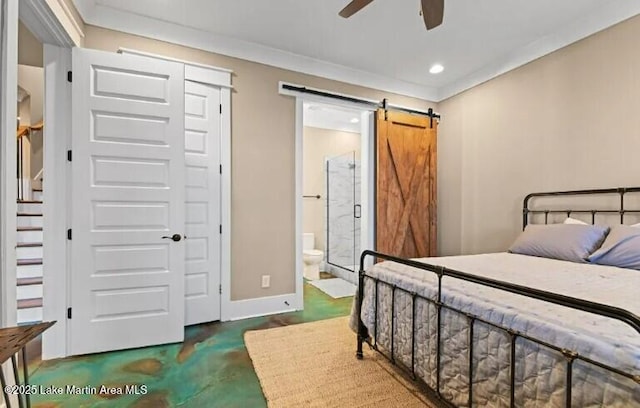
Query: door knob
{"points": [[174, 237]]}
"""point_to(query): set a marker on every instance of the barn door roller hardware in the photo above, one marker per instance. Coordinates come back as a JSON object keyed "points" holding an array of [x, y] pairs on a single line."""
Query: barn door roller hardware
{"points": [[384, 104]]}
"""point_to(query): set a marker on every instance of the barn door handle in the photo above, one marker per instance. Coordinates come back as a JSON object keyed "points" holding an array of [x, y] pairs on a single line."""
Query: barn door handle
{"points": [[174, 237], [357, 211]]}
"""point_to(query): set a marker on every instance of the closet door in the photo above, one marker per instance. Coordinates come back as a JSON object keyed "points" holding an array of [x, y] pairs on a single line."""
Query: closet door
{"points": [[202, 160], [406, 184]]}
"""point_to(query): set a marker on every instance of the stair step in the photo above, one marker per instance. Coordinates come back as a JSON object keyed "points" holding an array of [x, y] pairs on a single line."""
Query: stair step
{"points": [[29, 316], [34, 291], [34, 235], [30, 207], [29, 220], [25, 262], [29, 271], [29, 228], [29, 244], [29, 303], [29, 281], [29, 252]]}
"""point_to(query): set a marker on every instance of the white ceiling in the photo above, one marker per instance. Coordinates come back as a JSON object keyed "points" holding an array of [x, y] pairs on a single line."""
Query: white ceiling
{"points": [[326, 116], [384, 46]]}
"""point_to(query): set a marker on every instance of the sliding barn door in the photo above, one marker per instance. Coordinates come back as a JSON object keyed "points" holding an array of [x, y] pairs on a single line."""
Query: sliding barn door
{"points": [[406, 185], [128, 198]]}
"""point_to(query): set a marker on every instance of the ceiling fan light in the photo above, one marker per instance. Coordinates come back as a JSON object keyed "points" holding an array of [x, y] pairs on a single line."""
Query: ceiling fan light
{"points": [[436, 69]]}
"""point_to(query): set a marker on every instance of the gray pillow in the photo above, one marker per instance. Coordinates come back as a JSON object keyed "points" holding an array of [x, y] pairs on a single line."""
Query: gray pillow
{"points": [[567, 242], [621, 248]]}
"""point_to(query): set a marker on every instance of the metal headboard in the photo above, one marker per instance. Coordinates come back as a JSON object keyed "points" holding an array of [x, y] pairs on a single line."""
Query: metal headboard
{"points": [[620, 209]]}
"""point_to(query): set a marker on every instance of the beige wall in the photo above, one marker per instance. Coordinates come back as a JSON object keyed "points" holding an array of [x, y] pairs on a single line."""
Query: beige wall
{"points": [[31, 79], [566, 121], [29, 48], [318, 145], [263, 174]]}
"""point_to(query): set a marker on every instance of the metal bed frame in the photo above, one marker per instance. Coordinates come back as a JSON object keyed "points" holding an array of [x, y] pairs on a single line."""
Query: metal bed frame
{"points": [[567, 301]]}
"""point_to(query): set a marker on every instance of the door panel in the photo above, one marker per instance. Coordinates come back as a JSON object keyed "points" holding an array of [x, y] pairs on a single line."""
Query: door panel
{"points": [[406, 185], [202, 159], [127, 282]]}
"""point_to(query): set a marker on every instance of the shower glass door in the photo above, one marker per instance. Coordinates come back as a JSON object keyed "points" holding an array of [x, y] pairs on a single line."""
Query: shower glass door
{"points": [[343, 211]]}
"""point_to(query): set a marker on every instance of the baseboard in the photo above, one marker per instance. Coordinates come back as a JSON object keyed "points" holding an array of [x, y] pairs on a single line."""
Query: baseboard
{"points": [[244, 309]]}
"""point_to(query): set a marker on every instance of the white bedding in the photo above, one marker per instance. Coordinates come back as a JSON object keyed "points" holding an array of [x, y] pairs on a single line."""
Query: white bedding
{"points": [[540, 376]]}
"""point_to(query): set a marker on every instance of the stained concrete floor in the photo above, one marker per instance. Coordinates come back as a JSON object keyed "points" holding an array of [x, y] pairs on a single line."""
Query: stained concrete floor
{"points": [[211, 368]]}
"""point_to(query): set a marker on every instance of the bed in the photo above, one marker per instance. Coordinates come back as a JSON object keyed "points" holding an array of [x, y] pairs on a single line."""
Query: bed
{"points": [[507, 330]]}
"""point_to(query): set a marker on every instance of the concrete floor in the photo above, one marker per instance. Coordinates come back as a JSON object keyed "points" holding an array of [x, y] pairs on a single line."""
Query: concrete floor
{"points": [[211, 368]]}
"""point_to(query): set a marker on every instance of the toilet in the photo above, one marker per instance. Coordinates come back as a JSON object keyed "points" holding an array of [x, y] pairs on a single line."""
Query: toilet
{"points": [[311, 257]]}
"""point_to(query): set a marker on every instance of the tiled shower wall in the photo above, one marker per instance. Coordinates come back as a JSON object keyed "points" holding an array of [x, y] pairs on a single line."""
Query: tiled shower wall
{"points": [[343, 230]]}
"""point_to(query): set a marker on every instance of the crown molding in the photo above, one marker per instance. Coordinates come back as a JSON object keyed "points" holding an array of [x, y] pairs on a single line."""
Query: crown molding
{"points": [[51, 22], [118, 20]]}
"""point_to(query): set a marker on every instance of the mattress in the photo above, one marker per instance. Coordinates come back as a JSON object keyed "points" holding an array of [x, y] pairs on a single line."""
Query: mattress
{"points": [[540, 371]]}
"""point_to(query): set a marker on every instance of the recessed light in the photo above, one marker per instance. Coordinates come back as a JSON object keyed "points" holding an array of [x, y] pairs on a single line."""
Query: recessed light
{"points": [[436, 69], [354, 120]]}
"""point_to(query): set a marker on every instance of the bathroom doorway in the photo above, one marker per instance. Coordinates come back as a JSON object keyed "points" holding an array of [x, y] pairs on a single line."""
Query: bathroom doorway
{"points": [[337, 176]]}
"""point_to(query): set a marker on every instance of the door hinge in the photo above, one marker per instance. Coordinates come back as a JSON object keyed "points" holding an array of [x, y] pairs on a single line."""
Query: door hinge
{"points": [[221, 228], [221, 109], [68, 313], [69, 155], [69, 233], [69, 76], [220, 289]]}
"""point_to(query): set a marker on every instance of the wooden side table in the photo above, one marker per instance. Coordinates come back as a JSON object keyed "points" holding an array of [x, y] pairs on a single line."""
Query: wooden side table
{"points": [[12, 341]]}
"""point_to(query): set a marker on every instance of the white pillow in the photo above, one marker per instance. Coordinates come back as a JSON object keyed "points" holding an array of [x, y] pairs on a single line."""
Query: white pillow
{"points": [[570, 220]]}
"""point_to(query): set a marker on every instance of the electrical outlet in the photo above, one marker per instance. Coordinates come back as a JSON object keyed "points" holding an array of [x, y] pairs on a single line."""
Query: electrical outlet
{"points": [[266, 281]]}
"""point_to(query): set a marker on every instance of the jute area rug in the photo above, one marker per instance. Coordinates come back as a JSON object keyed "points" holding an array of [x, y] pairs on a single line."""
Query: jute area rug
{"points": [[314, 365]]}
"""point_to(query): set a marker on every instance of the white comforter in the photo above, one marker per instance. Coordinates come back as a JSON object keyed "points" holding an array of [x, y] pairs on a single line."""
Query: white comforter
{"points": [[540, 372]]}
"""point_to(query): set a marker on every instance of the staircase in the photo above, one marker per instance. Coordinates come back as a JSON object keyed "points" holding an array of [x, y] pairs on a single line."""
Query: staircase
{"points": [[29, 256]]}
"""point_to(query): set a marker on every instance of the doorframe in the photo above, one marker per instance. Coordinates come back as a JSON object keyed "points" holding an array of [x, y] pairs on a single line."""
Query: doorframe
{"points": [[367, 159], [8, 104], [59, 33], [48, 21], [221, 79]]}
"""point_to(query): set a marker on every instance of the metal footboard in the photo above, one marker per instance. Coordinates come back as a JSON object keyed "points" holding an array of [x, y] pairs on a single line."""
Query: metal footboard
{"points": [[570, 355]]}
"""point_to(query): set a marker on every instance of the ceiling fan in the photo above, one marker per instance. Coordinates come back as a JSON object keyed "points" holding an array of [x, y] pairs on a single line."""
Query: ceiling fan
{"points": [[432, 11]]}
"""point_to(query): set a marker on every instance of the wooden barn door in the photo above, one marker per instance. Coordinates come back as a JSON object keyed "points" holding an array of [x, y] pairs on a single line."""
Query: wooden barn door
{"points": [[406, 185]]}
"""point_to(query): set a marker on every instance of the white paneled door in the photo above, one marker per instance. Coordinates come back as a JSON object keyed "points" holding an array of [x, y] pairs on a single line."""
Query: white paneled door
{"points": [[128, 202], [202, 159]]}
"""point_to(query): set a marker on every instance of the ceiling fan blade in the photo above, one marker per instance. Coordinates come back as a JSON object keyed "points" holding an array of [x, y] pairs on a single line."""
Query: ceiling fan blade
{"points": [[432, 13], [353, 7]]}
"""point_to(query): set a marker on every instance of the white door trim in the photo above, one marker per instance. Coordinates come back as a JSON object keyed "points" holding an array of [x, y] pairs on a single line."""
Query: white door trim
{"points": [[51, 22], [225, 204], [8, 97], [367, 167], [57, 140], [58, 36], [219, 77]]}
